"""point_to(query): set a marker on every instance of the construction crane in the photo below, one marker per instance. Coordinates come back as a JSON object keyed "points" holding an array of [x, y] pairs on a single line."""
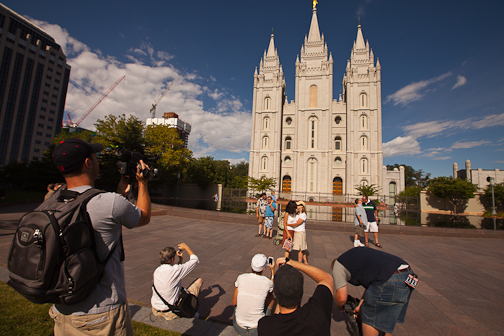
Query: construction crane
{"points": [[154, 106], [74, 126]]}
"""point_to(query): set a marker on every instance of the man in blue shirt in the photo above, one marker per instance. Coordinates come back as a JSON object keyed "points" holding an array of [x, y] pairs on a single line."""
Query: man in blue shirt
{"points": [[268, 222], [372, 217]]}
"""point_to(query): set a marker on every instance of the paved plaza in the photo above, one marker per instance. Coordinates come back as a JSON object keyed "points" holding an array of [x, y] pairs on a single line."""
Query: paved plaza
{"points": [[461, 289]]}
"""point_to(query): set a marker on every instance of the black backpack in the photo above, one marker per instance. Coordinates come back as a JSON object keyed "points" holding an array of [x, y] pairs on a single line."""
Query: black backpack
{"points": [[53, 254]]}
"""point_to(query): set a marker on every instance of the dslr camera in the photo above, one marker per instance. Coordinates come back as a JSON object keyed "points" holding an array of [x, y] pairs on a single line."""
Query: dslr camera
{"points": [[129, 161]]}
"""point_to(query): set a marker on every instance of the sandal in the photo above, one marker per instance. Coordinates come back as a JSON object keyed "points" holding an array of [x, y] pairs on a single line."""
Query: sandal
{"points": [[378, 245], [367, 244]]}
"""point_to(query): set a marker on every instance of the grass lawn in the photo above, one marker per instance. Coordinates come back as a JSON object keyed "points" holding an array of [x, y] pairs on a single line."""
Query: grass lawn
{"points": [[19, 317]]}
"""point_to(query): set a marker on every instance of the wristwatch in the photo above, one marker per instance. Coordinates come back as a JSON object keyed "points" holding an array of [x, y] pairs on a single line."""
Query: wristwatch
{"points": [[287, 260]]}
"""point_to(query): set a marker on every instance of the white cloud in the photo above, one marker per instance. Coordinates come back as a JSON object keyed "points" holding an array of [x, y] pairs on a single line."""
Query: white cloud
{"points": [[461, 80], [442, 127], [469, 144], [226, 127], [401, 146], [414, 91], [408, 144], [491, 120]]}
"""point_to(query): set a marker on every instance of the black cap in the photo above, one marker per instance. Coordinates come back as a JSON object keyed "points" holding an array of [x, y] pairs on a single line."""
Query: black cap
{"points": [[71, 153]]}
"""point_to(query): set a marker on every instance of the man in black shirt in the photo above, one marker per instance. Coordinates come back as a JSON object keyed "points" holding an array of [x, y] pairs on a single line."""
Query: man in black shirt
{"points": [[314, 318], [385, 278]]}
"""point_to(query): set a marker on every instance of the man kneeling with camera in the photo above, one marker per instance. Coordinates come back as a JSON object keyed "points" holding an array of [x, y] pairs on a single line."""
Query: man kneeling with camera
{"points": [[169, 299]]}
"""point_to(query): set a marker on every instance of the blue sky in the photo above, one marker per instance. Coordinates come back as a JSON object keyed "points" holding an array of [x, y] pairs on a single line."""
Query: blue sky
{"points": [[442, 67]]}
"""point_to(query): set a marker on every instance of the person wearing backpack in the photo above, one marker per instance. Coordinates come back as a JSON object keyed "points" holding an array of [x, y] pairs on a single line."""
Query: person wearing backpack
{"points": [[105, 311]]}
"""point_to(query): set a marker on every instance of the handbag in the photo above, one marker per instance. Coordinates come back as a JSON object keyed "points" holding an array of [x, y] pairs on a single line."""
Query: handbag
{"points": [[186, 306], [287, 245]]}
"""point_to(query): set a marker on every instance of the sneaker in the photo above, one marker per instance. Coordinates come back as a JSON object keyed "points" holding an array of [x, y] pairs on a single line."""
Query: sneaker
{"points": [[357, 243]]}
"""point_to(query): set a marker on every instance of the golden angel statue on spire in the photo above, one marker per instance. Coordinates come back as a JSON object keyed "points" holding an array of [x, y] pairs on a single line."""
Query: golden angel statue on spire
{"points": [[315, 2]]}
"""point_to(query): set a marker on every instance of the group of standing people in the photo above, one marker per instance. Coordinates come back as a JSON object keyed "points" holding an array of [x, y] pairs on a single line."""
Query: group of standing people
{"points": [[366, 220], [294, 223]]}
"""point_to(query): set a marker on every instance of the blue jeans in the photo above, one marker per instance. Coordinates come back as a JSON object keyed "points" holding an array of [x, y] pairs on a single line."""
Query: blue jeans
{"points": [[386, 305], [247, 331], [243, 331]]}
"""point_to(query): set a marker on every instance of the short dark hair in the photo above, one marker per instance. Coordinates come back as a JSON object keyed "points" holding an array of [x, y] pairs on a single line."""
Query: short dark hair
{"points": [[288, 287], [291, 208], [356, 201], [74, 172], [166, 255], [51, 185]]}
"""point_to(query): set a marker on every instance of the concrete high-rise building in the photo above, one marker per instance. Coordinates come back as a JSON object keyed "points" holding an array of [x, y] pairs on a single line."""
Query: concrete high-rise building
{"points": [[171, 120], [317, 147], [33, 85]]}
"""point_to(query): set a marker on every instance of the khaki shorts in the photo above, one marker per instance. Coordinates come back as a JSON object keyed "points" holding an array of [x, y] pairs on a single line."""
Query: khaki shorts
{"points": [[299, 241], [114, 322], [359, 230]]}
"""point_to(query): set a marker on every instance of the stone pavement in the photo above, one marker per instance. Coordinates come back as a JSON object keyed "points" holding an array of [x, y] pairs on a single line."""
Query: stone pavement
{"points": [[460, 292]]}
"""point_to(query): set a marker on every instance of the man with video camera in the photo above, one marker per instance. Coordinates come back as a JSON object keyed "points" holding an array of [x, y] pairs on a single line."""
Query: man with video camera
{"points": [[105, 310]]}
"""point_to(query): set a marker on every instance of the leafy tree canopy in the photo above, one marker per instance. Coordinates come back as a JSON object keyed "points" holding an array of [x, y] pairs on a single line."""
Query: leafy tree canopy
{"points": [[457, 191], [498, 192], [367, 190], [412, 177], [262, 184]]}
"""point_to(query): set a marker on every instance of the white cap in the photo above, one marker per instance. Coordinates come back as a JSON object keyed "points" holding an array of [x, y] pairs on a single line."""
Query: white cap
{"points": [[259, 262]]}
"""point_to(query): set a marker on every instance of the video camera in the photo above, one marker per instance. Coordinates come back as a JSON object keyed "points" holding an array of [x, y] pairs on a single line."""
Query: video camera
{"points": [[129, 161]]}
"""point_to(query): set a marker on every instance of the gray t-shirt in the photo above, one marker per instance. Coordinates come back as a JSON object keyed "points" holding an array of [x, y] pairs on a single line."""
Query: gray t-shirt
{"points": [[108, 213], [360, 211]]}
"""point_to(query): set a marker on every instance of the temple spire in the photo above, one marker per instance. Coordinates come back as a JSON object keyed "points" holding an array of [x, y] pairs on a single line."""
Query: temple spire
{"points": [[271, 48], [359, 42], [314, 34]]}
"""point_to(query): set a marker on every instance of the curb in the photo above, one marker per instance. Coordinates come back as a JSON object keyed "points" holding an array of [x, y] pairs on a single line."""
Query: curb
{"points": [[186, 326]]}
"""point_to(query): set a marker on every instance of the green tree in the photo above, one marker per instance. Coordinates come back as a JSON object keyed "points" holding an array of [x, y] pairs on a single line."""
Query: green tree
{"points": [[410, 195], [367, 190], [174, 157], [116, 131], [457, 191], [239, 175], [498, 192], [412, 177], [262, 184], [203, 171]]}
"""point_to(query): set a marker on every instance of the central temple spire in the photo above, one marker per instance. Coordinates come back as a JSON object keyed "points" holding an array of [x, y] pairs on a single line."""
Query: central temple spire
{"points": [[314, 34]]}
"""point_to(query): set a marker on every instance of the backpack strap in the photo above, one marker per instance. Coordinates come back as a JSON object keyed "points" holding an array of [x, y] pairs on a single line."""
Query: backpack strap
{"points": [[171, 308]]}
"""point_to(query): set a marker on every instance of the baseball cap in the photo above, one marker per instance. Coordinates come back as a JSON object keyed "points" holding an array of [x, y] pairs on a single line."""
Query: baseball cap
{"points": [[259, 262], [71, 153]]}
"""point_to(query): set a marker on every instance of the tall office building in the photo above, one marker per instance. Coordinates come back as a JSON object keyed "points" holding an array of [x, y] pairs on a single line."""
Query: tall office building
{"points": [[171, 120], [33, 86], [317, 147]]}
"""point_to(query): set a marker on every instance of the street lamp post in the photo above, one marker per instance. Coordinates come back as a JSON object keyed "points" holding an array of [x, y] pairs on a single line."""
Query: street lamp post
{"points": [[494, 213]]}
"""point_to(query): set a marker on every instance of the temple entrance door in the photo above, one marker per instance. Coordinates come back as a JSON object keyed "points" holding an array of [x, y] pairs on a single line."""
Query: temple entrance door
{"points": [[337, 186], [286, 184]]}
